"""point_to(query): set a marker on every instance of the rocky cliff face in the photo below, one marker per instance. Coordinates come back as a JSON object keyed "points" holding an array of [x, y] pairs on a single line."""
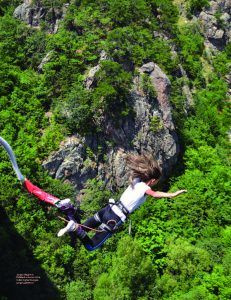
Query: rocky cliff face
{"points": [[35, 14], [216, 23], [150, 129]]}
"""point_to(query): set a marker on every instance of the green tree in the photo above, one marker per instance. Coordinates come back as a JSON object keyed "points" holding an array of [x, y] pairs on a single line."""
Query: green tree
{"points": [[167, 13], [78, 290], [184, 262], [131, 275], [125, 12], [191, 45], [112, 89]]}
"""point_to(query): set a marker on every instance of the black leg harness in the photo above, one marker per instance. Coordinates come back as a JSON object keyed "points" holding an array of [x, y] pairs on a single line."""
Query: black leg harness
{"points": [[112, 221]]}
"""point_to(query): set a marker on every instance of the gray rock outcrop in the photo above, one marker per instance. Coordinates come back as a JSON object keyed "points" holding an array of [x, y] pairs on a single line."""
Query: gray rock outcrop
{"points": [[34, 14], [161, 85], [150, 128], [44, 61], [216, 23], [186, 92], [90, 78]]}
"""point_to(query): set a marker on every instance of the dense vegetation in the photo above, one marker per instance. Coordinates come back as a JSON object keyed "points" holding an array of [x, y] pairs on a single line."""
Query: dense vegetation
{"points": [[179, 248]]}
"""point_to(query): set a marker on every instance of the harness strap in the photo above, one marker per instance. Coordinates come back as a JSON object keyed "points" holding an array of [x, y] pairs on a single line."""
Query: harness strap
{"points": [[81, 225], [122, 208], [97, 218], [105, 227]]}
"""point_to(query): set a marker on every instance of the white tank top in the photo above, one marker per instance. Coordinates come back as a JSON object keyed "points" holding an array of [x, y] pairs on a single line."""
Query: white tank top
{"points": [[134, 195]]}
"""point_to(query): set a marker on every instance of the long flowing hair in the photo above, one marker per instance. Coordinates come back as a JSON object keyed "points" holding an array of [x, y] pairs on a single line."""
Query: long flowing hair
{"points": [[143, 166]]}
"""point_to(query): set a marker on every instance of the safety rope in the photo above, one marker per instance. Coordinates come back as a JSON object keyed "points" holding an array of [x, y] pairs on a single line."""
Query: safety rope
{"points": [[81, 225], [32, 188], [12, 158]]}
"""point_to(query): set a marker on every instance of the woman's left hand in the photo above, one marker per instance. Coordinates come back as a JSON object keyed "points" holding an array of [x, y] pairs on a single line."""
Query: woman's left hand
{"points": [[179, 192]]}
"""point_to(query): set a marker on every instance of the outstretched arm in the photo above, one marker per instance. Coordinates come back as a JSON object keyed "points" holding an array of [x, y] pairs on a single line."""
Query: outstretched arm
{"points": [[157, 194]]}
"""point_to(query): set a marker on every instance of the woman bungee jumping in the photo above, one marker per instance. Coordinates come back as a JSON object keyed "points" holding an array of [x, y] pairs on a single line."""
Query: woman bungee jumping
{"points": [[144, 173]]}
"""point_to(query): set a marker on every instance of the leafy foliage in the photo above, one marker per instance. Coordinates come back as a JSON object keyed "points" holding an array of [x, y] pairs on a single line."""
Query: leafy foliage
{"points": [[131, 275], [179, 248], [195, 6], [191, 47]]}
